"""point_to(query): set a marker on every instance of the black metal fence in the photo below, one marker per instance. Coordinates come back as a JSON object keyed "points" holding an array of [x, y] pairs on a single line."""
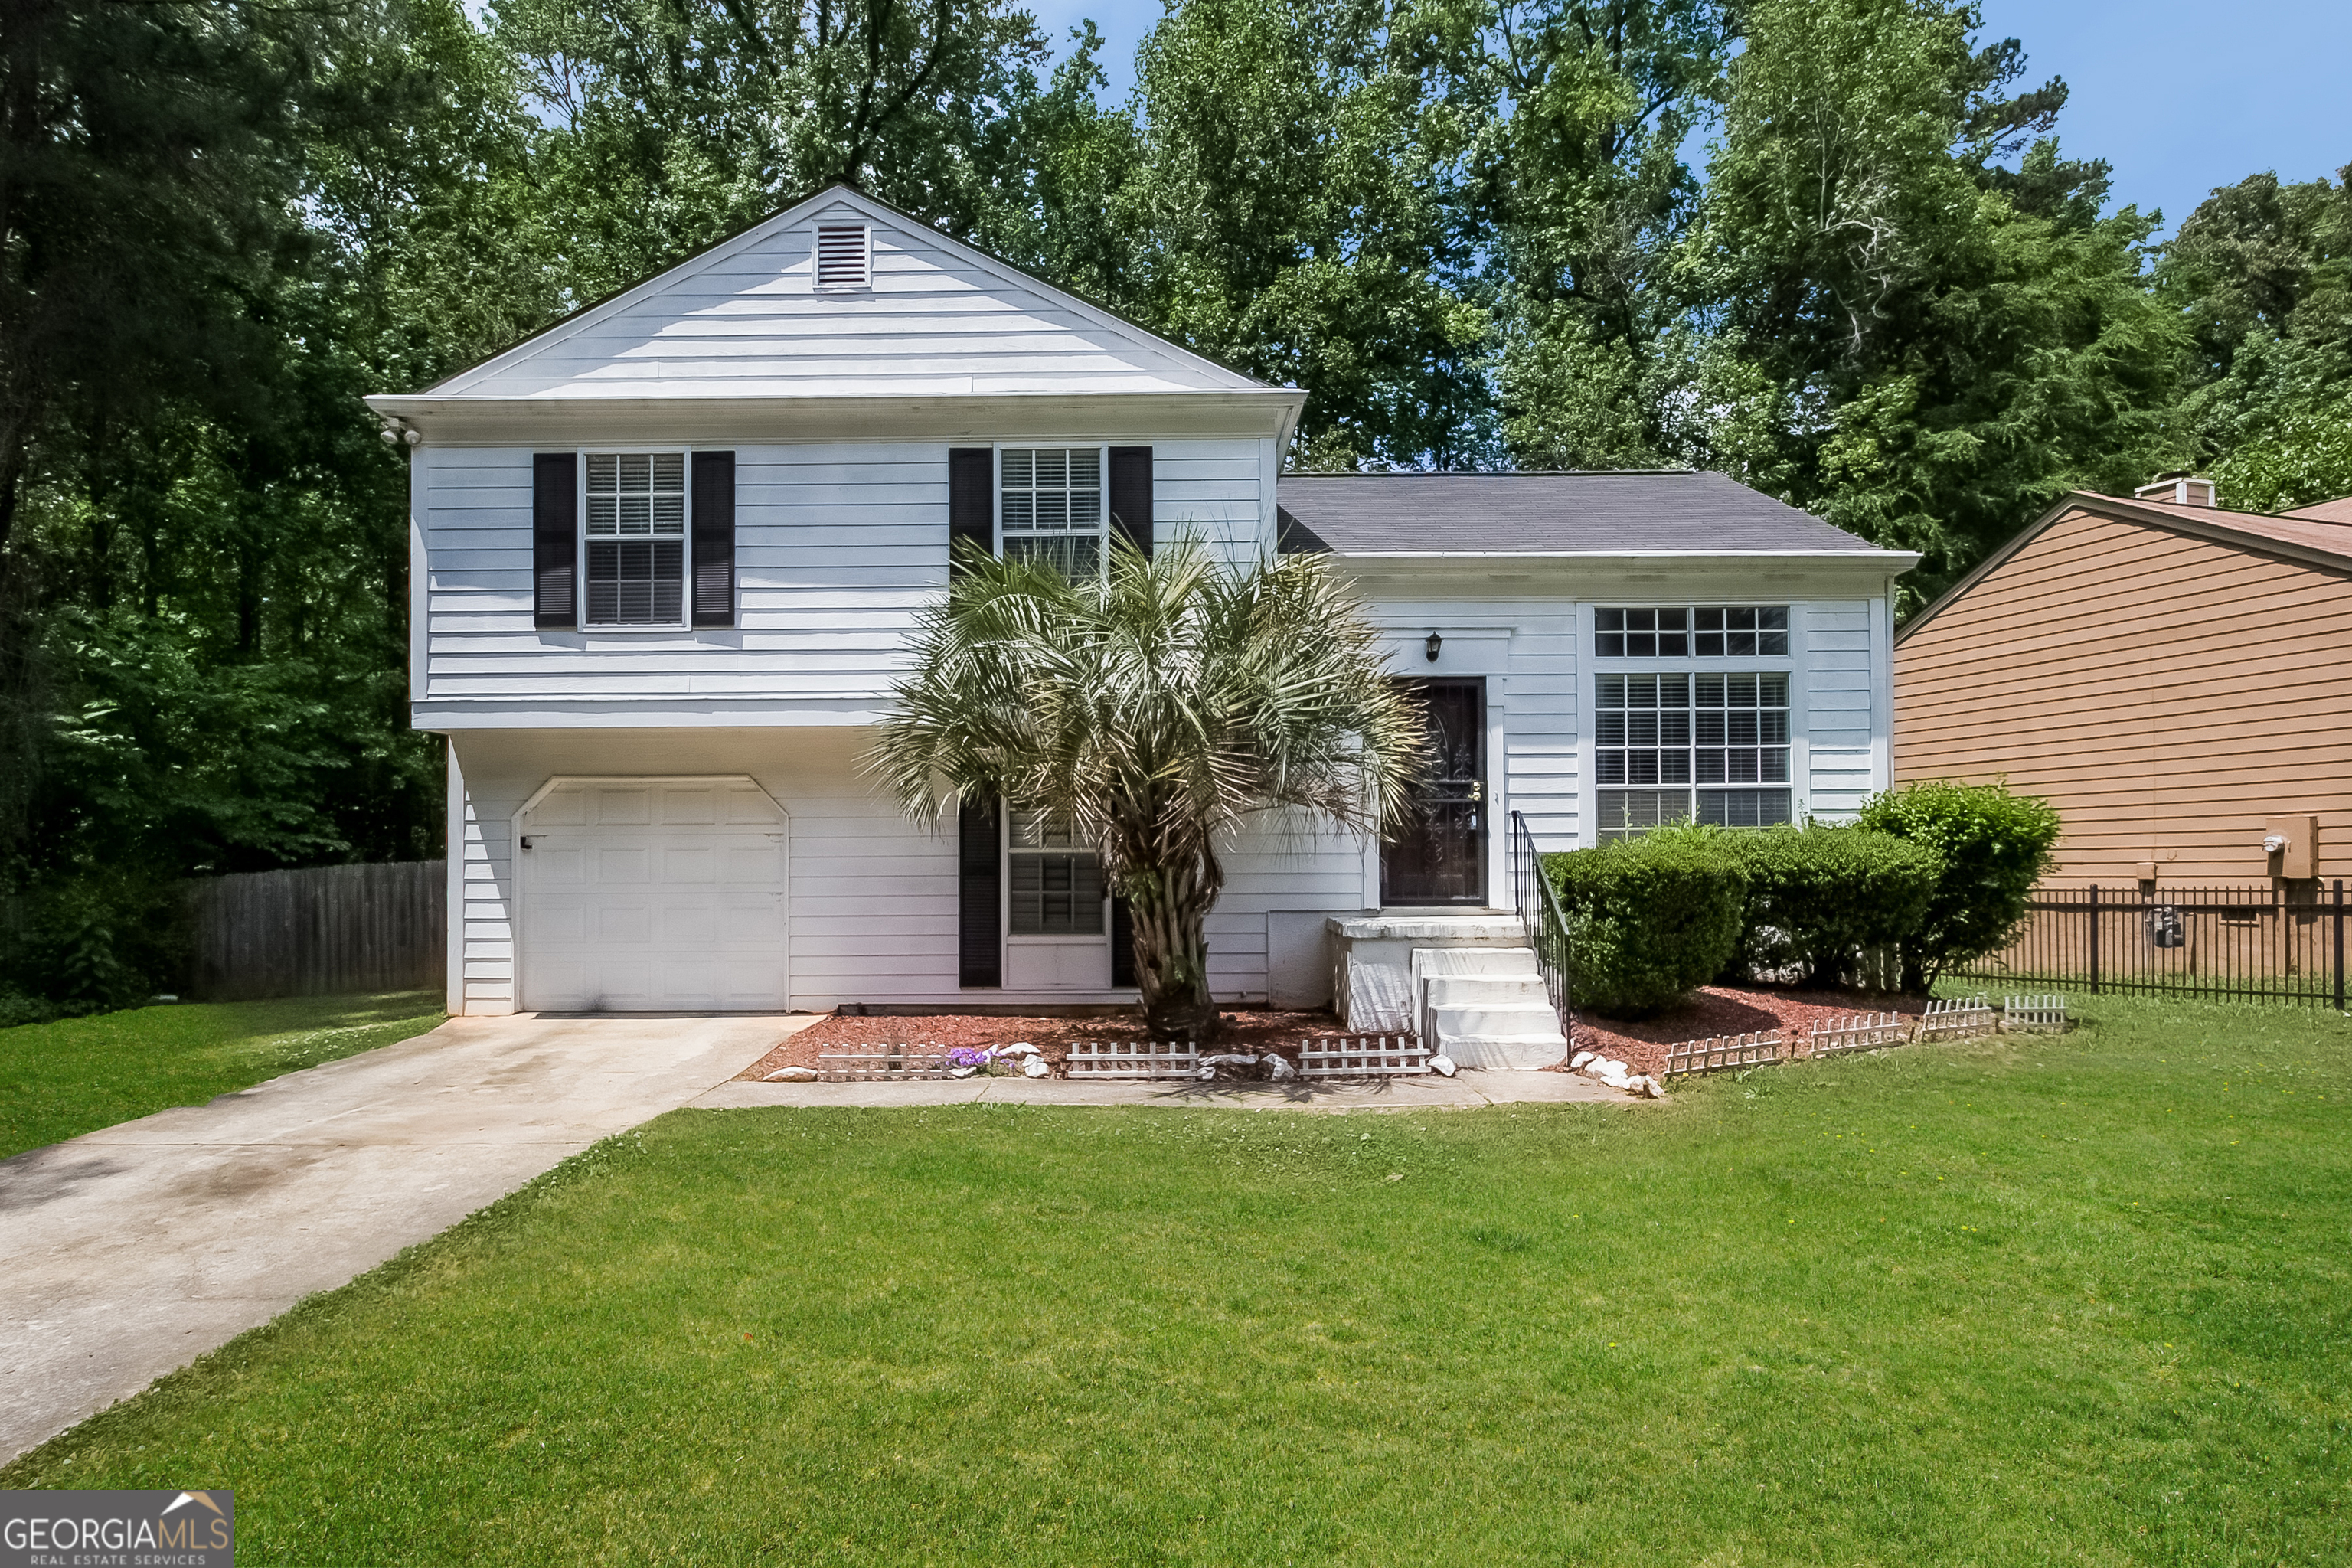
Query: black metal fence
{"points": [[1539, 905], [2279, 943]]}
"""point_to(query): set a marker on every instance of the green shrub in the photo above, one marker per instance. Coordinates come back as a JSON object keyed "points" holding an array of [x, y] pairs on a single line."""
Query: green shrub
{"points": [[1995, 847], [1648, 919], [98, 941], [1819, 897]]}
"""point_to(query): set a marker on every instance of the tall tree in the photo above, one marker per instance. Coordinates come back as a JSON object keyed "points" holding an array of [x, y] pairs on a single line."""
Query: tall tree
{"points": [[2262, 273], [1292, 212], [671, 123], [1892, 328], [1579, 187]]}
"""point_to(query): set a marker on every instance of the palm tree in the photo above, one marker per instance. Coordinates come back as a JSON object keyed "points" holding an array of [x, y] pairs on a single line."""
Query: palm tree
{"points": [[1151, 711]]}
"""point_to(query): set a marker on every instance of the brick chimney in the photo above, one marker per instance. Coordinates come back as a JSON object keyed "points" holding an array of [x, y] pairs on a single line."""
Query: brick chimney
{"points": [[2180, 490]]}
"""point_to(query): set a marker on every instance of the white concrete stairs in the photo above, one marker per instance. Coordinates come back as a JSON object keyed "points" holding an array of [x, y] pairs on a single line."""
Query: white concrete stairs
{"points": [[1487, 1007]]}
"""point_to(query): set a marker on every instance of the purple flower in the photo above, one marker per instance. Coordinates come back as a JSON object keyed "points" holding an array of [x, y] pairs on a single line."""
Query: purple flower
{"points": [[967, 1057]]}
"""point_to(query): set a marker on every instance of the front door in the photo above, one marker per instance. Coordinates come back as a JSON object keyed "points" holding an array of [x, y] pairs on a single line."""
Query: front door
{"points": [[1441, 857]]}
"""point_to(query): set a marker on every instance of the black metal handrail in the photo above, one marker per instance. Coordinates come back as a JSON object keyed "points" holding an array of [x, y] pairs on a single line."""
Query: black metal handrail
{"points": [[1547, 927]]}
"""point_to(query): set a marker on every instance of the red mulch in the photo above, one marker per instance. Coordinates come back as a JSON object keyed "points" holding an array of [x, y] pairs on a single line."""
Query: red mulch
{"points": [[1246, 1030], [1713, 1010]]}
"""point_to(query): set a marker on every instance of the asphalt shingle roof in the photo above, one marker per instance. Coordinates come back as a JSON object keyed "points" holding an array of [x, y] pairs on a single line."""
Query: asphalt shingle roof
{"points": [[1546, 514]]}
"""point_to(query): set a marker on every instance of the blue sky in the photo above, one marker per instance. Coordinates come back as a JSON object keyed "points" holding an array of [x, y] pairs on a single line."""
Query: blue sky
{"points": [[2179, 94]]}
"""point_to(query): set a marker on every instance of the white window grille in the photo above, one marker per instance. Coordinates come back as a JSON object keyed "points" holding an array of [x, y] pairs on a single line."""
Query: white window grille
{"points": [[1053, 506], [1691, 747], [1055, 884], [636, 527], [1720, 631], [844, 256]]}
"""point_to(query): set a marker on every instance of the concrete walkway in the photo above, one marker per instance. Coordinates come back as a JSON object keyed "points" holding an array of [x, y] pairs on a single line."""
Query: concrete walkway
{"points": [[1467, 1092], [131, 1251], [128, 1252]]}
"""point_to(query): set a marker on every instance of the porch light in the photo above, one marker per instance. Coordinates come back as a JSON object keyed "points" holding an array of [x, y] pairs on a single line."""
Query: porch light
{"points": [[1432, 644]]}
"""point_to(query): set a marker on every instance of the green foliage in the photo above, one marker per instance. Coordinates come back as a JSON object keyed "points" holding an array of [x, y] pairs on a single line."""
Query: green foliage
{"points": [[1649, 919], [1925, 347], [1819, 897], [1154, 710], [106, 938], [2304, 457], [63, 1077], [1994, 845], [1940, 1285]]}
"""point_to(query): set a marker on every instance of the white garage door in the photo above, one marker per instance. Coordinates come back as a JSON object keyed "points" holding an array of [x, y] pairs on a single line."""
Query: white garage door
{"points": [[653, 894]]}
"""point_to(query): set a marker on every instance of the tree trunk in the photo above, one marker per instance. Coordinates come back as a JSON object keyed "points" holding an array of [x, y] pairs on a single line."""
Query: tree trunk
{"points": [[1170, 905]]}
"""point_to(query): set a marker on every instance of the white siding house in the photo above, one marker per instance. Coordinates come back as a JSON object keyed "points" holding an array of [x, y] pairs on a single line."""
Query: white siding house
{"points": [[664, 557]]}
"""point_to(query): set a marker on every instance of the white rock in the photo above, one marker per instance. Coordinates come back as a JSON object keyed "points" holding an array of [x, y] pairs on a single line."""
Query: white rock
{"points": [[1278, 1068], [1230, 1059], [1019, 1049], [1576, 1063], [1443, 1066], [1204, 1072], [1035, 1068], [961, 1072], [1651, 1087], [791, 1075]]}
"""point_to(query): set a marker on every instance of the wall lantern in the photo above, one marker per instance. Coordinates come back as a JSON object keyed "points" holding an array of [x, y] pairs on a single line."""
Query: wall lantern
{"points": [[1432, 644]]}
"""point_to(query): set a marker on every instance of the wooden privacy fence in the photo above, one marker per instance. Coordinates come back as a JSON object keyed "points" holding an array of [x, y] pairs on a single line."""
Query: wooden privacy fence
{"points": [[323, 929]]}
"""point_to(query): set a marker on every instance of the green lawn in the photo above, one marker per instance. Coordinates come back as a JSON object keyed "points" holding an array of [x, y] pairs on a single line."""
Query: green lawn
{"points": [[2079, 1300], [61, 1079]]}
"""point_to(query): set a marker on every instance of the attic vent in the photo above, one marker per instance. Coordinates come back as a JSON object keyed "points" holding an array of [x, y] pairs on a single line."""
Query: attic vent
{"points": [[843, 256]]}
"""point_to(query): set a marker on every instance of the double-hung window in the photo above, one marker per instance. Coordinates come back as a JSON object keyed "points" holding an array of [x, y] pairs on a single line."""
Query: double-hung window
{"points": [[1699, 746], [1052, 505], [1055, 883], [634, 521]]}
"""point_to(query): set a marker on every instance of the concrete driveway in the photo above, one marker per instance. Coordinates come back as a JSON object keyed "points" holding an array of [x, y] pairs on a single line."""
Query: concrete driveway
{"points": [[128, 1252]]}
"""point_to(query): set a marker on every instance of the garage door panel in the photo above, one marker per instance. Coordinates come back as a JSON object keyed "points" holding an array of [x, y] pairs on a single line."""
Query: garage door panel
{"points": [[667, 896]]}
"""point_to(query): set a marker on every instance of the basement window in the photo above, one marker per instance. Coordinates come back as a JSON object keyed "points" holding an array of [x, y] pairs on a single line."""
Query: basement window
{"points": [[1055, 883], [844, 256]]}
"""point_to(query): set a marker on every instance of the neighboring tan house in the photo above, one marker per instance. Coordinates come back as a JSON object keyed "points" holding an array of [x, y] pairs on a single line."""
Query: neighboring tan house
{"points": [[2177, 678], [666, 556]]}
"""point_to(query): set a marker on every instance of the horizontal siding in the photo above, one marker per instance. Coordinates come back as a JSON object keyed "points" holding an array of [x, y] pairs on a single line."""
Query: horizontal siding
{"points": [[747, 322], [837, 546], [1835, 711], [2166, 694]]}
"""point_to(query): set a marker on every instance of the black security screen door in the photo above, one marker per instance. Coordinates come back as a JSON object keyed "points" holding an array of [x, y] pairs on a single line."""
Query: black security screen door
{"points": [[1440, 858]]}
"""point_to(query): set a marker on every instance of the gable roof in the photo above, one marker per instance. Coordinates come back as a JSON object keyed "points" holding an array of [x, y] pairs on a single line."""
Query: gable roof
{"points": [[1621, 512], [2328, 545], [2336, 510], [744, 320]]}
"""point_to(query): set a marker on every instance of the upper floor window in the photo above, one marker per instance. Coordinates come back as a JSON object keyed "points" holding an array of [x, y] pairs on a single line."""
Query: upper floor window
{"points": [[1053, 506], [636, 527], [1705, 632]]}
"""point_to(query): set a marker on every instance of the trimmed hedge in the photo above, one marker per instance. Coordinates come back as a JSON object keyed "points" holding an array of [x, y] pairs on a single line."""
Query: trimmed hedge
{"points": [[1819, 896], [1995, 845], [1649, 919]]}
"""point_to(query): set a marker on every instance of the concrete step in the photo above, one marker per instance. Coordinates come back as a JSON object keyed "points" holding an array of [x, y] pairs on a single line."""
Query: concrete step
{"points": [[1507, 1053], [1496, 1020], [1459, 990], [1428, 962]]}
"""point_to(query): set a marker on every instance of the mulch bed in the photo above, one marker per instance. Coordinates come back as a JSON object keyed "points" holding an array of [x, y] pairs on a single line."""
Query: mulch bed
{"points": [[1246, 1030], [1715, 1010], [1641, 1044]]}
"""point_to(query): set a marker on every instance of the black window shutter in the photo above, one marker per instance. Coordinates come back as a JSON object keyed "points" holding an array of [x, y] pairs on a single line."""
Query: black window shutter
{"points": [[1130, 495], [714, 539], [555, 539], [1122, 942], [972, 502], [980, 949]]}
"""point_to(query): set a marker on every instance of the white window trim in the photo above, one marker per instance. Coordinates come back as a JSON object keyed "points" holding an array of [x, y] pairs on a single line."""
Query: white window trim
{"points": [[1588, 686], [581, 537], [1102, 520], [1621, 663]]}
